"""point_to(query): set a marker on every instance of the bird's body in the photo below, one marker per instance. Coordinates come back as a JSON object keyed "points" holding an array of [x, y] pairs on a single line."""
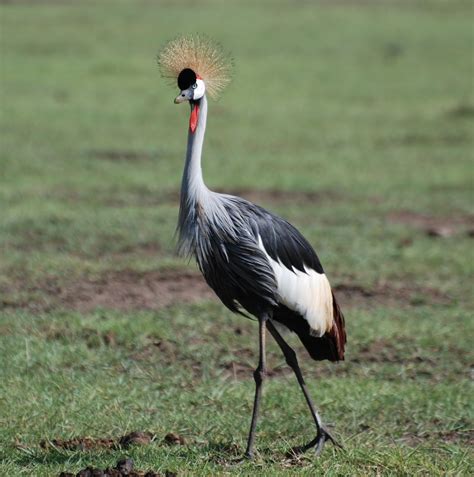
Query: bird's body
{"points": [[256, 262]]}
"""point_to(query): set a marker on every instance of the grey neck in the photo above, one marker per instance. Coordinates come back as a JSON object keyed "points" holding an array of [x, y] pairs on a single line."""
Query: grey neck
{"points": [[192, 186], [194, 193], [199, 207]]}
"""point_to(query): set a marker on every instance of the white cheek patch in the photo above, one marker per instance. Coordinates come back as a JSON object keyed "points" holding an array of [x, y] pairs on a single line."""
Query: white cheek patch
{"points": [[200, 90]]}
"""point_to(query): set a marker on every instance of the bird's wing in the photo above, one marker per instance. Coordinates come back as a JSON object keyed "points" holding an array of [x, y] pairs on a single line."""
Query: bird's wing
{"points": [[307, 304], [284, 243], [302, 285], [238, 271]]}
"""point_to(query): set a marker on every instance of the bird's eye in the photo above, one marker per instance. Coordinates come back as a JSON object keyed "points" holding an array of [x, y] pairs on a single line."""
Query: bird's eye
{"points": [[195, 85]]}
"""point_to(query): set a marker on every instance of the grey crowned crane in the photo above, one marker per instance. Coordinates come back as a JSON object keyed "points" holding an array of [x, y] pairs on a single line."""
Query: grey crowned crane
{"points": [[254, 261]]}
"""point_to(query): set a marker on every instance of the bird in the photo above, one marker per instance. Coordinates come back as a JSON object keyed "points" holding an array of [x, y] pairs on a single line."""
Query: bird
{"points": [[257, 263]]}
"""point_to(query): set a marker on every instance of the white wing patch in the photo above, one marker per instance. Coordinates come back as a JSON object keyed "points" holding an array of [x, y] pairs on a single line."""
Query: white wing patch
{"points": [[309, 294]]}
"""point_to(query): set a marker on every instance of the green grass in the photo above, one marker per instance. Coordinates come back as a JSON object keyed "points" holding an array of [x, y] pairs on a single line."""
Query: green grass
{"points": [[368, 104]]}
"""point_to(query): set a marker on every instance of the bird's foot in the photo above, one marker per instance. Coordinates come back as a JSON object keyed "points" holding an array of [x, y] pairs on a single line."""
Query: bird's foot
{"points": [[328, 437], [318, 443]]}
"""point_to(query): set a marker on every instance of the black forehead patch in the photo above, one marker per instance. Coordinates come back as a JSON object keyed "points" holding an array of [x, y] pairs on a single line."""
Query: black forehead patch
{"points": [[186, 78]]}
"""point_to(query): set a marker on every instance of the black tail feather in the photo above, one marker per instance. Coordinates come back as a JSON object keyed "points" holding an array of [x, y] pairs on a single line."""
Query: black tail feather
{"points": [[329, 346]]}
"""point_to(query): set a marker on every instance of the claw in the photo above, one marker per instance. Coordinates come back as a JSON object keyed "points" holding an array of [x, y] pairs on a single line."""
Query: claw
{"points": [[329, 437], [318, 443]]}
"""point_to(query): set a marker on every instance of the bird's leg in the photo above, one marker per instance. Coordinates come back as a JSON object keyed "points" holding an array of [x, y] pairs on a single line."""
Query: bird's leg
{"points": [[322, 434], [259, 376]]}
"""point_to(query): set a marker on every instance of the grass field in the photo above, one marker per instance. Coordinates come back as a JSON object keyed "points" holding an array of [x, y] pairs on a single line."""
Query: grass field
{"points": [[353, 120]]}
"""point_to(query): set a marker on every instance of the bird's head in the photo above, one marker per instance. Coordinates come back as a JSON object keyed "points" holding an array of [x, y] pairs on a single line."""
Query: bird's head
{"points": [[199, 65], [192, 86]]}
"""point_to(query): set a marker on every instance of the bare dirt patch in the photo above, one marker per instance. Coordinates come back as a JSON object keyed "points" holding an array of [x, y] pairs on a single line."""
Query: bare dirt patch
{"points": [[453, 436], [280, 196], [128, 290], [393, 350], [146, 248], [415, 139], [434, 226], [269, 196], [122, 155], [412, 359], [146, 197], [93, 338], [123, 290], [389, 295], [88, 443], [259, 196], [131, 290]]}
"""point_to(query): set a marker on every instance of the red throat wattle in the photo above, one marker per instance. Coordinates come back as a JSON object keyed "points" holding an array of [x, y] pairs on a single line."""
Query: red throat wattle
{"points": [[193, 119]]}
